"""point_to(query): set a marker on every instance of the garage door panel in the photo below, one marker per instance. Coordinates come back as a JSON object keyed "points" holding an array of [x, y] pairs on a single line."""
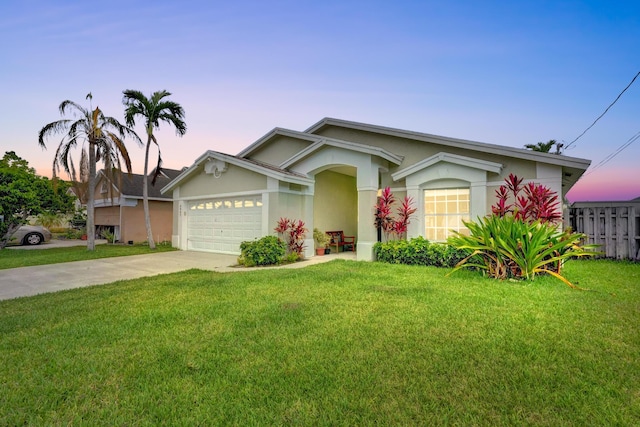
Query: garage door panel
{"points": [[220, 225]]}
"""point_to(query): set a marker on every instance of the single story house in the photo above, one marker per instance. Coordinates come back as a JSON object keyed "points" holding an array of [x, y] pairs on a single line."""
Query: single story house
{"points": [[119, 208], [330, 176]]}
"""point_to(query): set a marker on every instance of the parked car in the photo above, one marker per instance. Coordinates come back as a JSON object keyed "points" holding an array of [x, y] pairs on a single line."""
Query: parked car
{"points": [[30, 235]]}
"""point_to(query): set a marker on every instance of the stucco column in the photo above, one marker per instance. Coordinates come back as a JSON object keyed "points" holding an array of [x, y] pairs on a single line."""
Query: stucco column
{"points": [[367, 183], [270, 203], [478, 199], [307, 217], [414, 228]]}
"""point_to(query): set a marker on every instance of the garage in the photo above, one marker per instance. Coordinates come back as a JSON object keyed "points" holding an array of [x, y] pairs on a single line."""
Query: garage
{"points": [[220, 225]]}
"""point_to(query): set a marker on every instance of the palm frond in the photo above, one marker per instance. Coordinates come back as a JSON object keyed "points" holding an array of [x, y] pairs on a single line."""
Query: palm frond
{"points": [[121, 149], [52, 129], [66, 105]]}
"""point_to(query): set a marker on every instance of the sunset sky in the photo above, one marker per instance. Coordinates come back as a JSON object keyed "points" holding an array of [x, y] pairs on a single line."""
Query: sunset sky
{"points": [[502, 72]]}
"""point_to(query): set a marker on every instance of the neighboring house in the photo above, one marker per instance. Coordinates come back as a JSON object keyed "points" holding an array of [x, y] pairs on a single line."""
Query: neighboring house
{"points": [[330, 175], [615, 226], [119, 207]]}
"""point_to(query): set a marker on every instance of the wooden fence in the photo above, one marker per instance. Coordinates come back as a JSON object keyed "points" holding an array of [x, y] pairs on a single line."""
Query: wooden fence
{"points": [[614, 225]]}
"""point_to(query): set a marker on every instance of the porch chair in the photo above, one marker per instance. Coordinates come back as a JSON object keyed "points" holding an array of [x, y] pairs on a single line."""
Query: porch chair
{"points": [[338, 240]]}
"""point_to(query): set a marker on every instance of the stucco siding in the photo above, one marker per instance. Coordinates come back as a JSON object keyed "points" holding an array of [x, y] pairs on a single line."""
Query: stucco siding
{"points": [[105, 192], [234, 180], [284, 205], [133, 225], [415, 151], [335, 205], [279, 149]]}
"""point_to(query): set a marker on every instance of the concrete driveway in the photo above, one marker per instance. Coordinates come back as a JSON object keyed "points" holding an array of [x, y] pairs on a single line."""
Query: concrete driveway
{"points": [[27, 281]]}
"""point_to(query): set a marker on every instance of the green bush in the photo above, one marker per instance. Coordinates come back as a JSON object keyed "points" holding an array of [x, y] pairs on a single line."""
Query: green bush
{"points": [[73, 234], [58, 230], [108, 235], [268, 250], [507, 247], [418, 251]]}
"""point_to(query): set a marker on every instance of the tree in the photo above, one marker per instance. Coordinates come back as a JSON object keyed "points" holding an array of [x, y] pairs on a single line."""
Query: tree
{"points": [[545, 147], [80, 178], [152, 110], [23, 194], [104, 136]]}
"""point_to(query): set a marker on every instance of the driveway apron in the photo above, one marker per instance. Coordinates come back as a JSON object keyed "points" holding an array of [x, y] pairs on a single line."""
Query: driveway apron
{"points": [[26, 281]]}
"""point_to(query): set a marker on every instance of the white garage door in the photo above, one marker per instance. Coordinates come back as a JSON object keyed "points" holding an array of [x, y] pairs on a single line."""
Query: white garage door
{"points": [[220, 225]]}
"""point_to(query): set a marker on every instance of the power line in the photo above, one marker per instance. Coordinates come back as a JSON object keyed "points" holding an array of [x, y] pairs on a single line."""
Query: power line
{"points": [[605, 112], [620, 149]]}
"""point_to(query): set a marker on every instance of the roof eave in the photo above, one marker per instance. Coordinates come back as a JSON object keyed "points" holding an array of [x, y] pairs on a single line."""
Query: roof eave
{"points": [[275, 132], [449, 158], [384, 154], [522, 153], [237, 162]]}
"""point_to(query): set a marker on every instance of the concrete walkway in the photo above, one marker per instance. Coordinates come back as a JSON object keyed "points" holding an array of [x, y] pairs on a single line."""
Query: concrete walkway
{"points": [[27, 281]]}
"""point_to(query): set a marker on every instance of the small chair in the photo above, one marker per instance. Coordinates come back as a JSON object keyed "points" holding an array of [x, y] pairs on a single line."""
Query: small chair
{"points": [[339, 240]]}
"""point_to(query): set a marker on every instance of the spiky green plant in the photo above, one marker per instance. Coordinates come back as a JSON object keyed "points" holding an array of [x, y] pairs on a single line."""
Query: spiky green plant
{"points": [[508, 247]]}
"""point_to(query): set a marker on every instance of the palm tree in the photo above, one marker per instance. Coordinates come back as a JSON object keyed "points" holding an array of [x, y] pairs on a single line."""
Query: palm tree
{"points": [[545, 147], [153, 110], [80, 180], [104, 136]]}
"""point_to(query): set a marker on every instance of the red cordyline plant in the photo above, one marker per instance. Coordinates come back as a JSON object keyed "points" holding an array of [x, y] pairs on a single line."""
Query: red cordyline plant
{"points": [[522, 238], [292, 232], [530, 202], [386, 222]]}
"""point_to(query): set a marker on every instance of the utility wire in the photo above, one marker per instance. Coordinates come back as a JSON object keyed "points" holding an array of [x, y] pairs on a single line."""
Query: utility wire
{"points": [[620, 149], [605, 112]]}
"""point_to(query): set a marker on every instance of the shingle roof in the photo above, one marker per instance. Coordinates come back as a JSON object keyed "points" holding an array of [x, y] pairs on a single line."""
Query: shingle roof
{"points": [[132, 185]]}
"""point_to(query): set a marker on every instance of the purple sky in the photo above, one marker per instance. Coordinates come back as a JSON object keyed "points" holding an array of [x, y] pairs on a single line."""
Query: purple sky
{"points": [[502, 72]]}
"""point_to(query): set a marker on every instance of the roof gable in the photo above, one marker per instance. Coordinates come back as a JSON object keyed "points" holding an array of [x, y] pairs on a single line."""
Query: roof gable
{"points": [[353, 146], [215, 161], [449, 158], [130, 185], [270, 136]]}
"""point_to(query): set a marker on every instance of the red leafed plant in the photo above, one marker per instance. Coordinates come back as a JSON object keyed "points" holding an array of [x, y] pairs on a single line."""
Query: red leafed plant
{"points": [[386, 222], [383, 219], [530, 202], [293, 233], [522, 238]]}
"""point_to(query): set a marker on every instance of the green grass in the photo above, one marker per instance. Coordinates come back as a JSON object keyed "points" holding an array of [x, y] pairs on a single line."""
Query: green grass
{"points": [[13, 258], [341, 343]]}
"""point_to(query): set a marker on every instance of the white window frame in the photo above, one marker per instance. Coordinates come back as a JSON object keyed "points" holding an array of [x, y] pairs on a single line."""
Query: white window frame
{"points": [[440, 232]]}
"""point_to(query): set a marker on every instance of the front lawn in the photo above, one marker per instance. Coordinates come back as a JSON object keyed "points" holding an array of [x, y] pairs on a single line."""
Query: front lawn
{"points": [[12, 258], [341, 343]]}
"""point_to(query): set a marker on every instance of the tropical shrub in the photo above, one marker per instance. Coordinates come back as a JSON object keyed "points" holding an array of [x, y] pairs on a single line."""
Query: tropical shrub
{"points": [[522, 237], [383, 219], [49, 219], [293, 233], [72, 233], [507, 247], [418, 251], [268, 250], [530, 202], [108, 235]]}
